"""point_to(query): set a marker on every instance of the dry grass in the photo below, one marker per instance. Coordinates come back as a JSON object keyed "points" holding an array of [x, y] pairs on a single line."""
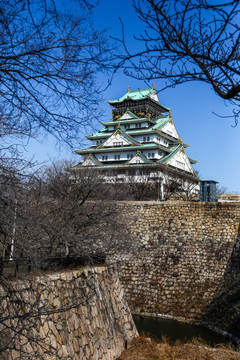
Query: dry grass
{"points": [[144, 348]]}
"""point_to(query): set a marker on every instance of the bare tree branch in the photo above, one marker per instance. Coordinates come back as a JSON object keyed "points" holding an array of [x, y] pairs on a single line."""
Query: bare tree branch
{"points": [[49, 56], [188, 40]]}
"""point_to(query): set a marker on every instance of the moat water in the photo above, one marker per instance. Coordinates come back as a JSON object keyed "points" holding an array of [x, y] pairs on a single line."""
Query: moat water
{"points": [[174, 330]]}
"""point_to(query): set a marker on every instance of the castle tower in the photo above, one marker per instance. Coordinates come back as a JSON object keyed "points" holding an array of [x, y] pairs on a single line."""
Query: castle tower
{"points": [[140, 135]]}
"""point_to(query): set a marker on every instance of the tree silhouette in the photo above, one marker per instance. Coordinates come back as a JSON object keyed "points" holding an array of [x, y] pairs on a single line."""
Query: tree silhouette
{"points": [[188, 40]]}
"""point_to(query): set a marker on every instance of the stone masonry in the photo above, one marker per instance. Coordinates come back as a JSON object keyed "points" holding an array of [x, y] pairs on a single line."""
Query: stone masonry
{"points": [[77, 315], [181, 254]]}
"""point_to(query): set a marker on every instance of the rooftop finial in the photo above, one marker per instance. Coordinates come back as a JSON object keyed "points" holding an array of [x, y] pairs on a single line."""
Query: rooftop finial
{"points": [[154, 87], [118, 126], [128, 89]]}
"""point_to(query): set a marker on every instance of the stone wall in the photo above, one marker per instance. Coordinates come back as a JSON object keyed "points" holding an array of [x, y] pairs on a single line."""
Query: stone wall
{"points": [[78, 314], [181, 255], [224, 310]]}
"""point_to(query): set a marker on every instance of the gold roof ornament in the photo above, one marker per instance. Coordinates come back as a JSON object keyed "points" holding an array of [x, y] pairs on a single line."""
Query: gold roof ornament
{"points": [[154, 86], [180, 140], [118, 125], [128, 89], [170, 113]]}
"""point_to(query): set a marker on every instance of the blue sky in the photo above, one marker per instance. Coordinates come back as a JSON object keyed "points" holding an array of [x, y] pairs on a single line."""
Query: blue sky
{"points": [[213, 141]]}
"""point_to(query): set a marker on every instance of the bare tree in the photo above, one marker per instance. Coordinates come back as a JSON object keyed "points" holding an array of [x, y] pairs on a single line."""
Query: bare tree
{"points": [[50, 54], [59, 218], [177, 188], [58, 223], [189, 40]]}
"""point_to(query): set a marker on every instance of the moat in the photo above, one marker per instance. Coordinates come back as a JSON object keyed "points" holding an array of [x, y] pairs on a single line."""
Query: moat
{"points": [[174, 330]]}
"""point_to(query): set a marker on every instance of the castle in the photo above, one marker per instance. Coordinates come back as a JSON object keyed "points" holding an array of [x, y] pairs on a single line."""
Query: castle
{"points": [[139, 140]]}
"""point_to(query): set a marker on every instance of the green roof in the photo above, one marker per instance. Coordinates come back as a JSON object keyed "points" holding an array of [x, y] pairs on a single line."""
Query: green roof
{"points": [[135, 95], [94, 160], [128, 121], [161, 122], [142, 156], [125, 135], [192, 161], [119, 148], [138, 94], [168, 157]]}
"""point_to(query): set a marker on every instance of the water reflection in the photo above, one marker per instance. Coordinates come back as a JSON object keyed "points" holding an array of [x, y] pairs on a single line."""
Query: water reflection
{"points": [[175, 330]]}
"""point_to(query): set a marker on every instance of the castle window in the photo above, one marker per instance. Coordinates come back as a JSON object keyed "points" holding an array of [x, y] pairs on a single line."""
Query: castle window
{"points": [[116, 157], [180, 164], [150, 155], [144, 139], [148, 138], [104, 157], [97, 142], [118, 143]]}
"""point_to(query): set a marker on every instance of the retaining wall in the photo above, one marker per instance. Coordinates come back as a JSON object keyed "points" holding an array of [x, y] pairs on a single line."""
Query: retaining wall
{"points": [[182, 251], [78, 314]]}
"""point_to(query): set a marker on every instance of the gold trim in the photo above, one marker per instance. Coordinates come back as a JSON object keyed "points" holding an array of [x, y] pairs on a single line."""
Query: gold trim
{"points": [[180, 140]]}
